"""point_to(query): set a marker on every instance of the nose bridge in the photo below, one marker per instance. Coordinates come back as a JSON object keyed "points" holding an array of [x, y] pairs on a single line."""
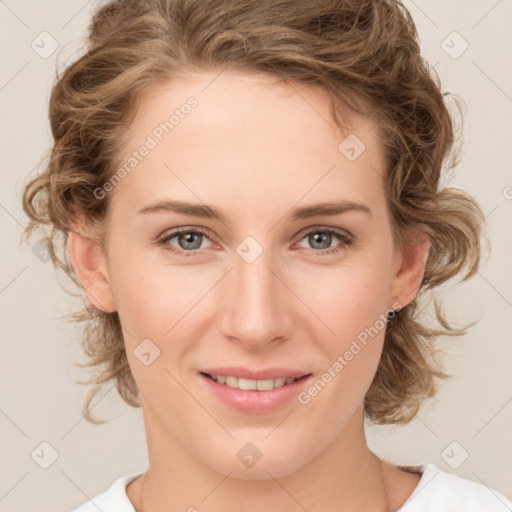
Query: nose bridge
{"points": [[255, 310]]}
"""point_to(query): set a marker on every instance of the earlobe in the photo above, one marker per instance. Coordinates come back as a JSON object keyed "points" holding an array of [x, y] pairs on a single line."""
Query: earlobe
{"points": [[89, 262], [408, 277]]}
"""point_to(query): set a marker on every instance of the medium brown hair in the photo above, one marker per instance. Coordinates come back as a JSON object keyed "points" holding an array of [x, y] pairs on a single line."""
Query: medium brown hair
{"points": [[365, 53]]}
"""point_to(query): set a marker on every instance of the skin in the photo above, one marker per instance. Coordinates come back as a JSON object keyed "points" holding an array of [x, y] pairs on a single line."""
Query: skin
{"points": [[255, 148]]}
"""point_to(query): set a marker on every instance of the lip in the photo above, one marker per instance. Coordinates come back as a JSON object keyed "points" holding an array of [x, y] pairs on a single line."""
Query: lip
{"points": [[253, 401], [245, 373]]}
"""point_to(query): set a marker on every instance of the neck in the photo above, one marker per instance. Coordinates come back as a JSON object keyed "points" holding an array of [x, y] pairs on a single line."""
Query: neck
{"points": [[345, 476]]}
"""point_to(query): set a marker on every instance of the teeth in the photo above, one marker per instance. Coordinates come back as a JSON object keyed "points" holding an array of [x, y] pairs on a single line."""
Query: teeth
{"points": [[251, 384]]}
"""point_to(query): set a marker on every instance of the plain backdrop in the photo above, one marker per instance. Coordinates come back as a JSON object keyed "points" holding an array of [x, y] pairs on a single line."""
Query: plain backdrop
{"points": [[465, 430]]}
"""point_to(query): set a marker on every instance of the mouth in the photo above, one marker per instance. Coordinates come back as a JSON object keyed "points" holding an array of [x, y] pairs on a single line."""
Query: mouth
{"points": [[253, 384], [254, 390]]}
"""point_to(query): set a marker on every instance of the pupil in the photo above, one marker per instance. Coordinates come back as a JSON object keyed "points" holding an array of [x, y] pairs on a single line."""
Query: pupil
{"points": [[190, 238], [318, 237]]}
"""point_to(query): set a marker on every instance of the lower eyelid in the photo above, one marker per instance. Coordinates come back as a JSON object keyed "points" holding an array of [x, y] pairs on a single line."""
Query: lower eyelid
{"points": [[343, 237], [165, 240]]}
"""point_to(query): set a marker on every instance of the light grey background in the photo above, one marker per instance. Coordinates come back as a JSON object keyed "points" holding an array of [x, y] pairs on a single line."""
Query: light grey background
{"points": [[39, 399]]}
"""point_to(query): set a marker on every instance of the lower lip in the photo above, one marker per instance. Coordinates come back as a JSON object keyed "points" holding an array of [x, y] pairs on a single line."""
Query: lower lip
{"points": [[253, 401]]}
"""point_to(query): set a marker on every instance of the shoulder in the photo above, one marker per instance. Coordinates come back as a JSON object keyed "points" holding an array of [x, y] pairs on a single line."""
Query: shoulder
{"points": [[114, 499], [438, 491]]}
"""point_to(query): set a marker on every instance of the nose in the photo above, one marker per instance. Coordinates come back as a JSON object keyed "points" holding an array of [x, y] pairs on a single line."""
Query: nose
{"points": [[256, 303]]}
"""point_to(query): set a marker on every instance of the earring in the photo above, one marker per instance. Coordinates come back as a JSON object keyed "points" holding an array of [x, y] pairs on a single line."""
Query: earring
{"points": [[391, 314]]}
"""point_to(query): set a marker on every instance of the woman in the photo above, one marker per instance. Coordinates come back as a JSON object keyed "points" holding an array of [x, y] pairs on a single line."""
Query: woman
{"points": [[249, 194]]}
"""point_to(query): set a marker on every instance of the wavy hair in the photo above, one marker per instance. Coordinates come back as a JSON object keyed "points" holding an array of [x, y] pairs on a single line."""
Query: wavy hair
{"points": [[365, 53]]}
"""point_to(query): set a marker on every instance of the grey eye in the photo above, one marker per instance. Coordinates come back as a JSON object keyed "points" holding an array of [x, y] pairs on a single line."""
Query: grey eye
{"points": [[320, 240], [189, 240]]}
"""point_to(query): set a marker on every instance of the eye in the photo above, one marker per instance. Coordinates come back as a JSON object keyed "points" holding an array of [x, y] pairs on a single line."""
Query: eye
{"points": [[189, 241], [321, 239]]}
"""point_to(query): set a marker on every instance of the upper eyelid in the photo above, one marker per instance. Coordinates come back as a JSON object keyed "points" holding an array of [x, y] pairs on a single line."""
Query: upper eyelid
{"points": [[298, 236], [336, 231]]}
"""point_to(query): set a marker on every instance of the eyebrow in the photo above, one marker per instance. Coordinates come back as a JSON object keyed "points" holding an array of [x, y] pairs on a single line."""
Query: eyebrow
{"points": [[210, 212]]}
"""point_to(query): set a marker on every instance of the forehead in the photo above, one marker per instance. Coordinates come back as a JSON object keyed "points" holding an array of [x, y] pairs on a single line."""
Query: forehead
{"points": [[248, 134], [248, 101]]}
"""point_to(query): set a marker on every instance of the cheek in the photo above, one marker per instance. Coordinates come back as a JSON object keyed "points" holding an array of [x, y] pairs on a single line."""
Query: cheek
{"points": [[351, 301], [162, 304], [348, 298], [153, 298], [354, 309], [153, 307]]}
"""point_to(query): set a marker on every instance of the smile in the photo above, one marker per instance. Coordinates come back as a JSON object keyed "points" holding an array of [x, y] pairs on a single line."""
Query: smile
{"points": [[251, 384], [254, 395]]}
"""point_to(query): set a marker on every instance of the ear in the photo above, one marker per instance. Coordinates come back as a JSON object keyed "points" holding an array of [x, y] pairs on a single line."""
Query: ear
{"points": [[410, 265], [89, 262]]}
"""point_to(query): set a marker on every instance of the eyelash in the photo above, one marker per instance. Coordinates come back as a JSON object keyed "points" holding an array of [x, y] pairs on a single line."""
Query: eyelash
{"points": [[346, 240]]}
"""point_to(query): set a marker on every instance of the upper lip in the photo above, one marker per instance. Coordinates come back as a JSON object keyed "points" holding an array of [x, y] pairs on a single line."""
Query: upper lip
{"points": [[262, 374]]}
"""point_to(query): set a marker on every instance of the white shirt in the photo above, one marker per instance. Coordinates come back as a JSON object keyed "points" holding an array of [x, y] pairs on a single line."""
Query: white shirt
{"points": [[437, 491]]}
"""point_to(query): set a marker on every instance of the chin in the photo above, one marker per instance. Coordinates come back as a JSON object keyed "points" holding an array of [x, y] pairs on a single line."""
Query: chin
{"points": [[247, 462], [261, 470]]}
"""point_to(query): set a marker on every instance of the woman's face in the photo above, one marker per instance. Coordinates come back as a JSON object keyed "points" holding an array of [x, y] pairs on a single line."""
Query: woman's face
{"points": [[261, 283]]}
